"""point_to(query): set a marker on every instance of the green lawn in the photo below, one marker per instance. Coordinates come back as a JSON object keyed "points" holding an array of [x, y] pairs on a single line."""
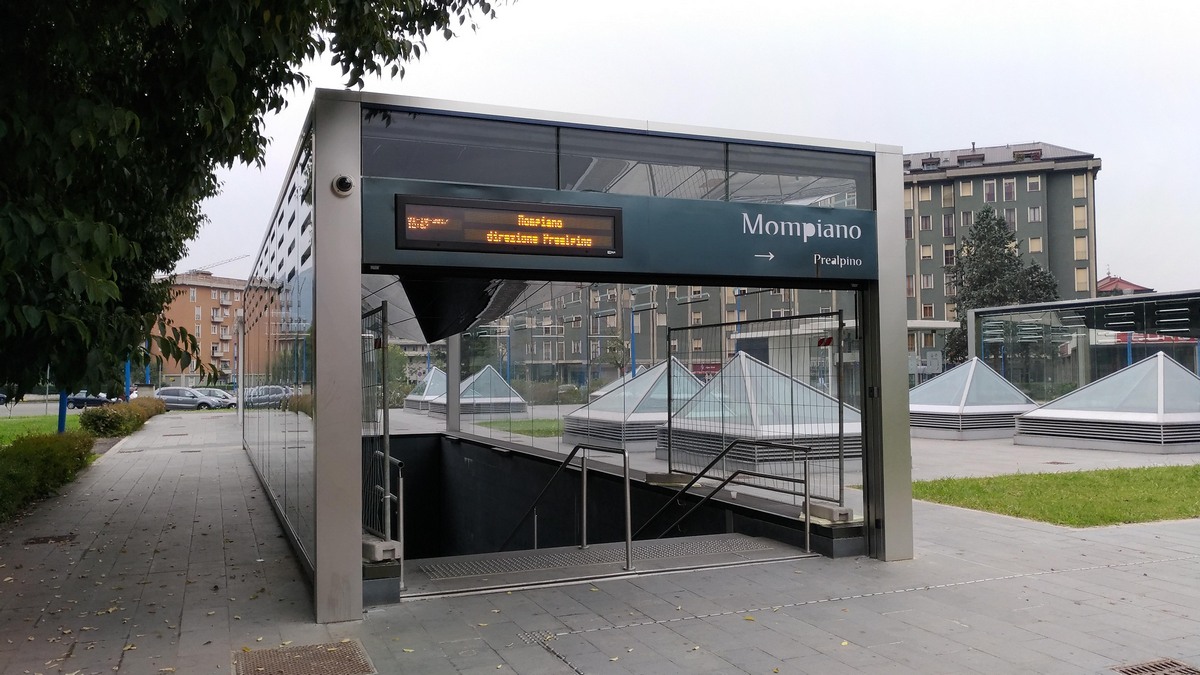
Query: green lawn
{"points": [[538, 428], [1077, 499], [11, 427]]}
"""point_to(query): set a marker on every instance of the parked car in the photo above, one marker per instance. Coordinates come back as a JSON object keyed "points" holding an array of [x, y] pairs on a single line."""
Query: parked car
{"points": [[3, 398], [186, 398], [266, 396], [226, 399], [82, 399]]}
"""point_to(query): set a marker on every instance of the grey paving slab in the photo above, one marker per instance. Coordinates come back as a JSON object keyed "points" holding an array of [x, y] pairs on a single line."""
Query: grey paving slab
{"points": [[158, 528]]}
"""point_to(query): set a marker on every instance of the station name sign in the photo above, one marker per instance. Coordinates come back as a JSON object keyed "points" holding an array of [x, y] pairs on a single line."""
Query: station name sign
{"points": [[488, 226]]}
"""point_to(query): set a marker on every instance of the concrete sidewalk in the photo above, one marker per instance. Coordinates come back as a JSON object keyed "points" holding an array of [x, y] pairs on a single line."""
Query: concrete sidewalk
{"points": [[178, 565]]}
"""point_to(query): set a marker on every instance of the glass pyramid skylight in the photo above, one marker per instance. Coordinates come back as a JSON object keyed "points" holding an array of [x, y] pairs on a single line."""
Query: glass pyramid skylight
{"points": [[1157, 385], [430, 387], [487, 384], [754, 399], [968, 388], [647, 393]]}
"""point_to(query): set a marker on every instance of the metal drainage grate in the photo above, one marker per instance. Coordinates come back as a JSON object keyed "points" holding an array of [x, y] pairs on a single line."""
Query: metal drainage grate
{"points": [[338, 658], [1158, 667], [174, 434], [591, 556], [186, 451], [52, 539], [129, 452]]}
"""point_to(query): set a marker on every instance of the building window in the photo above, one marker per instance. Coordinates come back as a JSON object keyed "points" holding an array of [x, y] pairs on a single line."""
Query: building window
{"points": [[1010, 218], [908, 231], [1033, 183], [697, 344], [989, 190], [951, 312], [237, 296], [948, 255], [908, 202], [214, 294], [780, 313], [948, 287], [214, 329], [925, 193], [926, 251], [927, 222], [968, 219], [1010, 189], [910, 286], [927, 311], [197, 331], [672, 291], [1079, 215], [1035, 244], [928, 340], [1035, 214], [698, 318], [966, 188], [1081, 248], [660, 319], [948, 225], [1081, 280], [948, 196], [192, 294], [912, 342], [197, 316], [696, 290], [1079, 186], [926, 281]]}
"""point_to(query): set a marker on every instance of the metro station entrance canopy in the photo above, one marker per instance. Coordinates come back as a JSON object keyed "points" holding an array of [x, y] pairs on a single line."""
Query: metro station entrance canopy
{"points": [[464, 206]]}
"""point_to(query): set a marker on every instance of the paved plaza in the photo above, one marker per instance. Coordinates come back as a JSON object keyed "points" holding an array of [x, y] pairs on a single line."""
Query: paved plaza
{"points": [[165, 556]]}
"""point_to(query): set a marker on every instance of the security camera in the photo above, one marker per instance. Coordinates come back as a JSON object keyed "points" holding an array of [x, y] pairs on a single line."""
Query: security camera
{"points": [[342, 186]]}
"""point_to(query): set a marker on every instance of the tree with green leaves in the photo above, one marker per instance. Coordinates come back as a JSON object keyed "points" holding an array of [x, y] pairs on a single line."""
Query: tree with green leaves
{"points": [[113, 120], [988, 272]]}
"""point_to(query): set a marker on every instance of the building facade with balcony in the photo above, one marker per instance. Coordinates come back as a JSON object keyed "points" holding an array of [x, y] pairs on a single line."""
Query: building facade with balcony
{"points": [[208, 307]]}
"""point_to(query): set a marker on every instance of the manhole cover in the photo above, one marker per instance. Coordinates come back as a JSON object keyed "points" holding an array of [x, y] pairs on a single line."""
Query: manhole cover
{"points": [[337, 658], [1158, 667], [52, 539]]}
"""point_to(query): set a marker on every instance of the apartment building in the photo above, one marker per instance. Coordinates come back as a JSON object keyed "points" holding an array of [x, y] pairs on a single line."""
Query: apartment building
{"points": [[1046, 194], [207, 306]]}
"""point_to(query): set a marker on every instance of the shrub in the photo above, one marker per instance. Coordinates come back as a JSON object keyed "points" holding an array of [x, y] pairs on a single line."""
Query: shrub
{"points": [[34, 466], [302, 403], [120, 419]]}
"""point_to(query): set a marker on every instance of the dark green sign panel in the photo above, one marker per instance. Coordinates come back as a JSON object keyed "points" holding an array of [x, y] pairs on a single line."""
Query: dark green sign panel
{"points": [[651, 235]]}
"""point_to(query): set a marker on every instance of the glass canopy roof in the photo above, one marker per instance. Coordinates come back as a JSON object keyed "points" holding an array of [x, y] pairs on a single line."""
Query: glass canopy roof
{"points": [[646, 393]]}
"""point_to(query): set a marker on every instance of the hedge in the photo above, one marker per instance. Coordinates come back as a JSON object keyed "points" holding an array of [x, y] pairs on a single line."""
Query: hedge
{"points": [[33, 467], [120, 419]]}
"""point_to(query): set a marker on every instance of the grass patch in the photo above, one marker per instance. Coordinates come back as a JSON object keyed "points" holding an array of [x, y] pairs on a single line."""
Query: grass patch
{"points": [[536, 428], [12, 427], [1077, 499]]}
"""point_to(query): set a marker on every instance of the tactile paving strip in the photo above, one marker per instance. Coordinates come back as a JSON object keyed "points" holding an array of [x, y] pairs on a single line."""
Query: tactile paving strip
{"points": [[592, 556], [338, 658]]}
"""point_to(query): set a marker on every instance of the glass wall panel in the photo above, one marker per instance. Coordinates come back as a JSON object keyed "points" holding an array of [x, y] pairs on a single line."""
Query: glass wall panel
{"points": [[277, 380], [622, 163], [765, 174], [457, 149], [444, 147], [1053, 351]]}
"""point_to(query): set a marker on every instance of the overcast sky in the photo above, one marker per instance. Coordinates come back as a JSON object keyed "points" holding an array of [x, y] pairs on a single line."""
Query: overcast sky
{"points": [[1119, 80]]}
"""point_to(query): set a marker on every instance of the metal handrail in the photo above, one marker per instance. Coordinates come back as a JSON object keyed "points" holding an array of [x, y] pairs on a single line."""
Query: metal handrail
{"points": [[720, 456], [740, 472], [583, 480]]}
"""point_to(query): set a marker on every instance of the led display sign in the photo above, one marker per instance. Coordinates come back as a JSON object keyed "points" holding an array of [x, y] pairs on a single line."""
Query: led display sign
{"points": [[451, 224]]}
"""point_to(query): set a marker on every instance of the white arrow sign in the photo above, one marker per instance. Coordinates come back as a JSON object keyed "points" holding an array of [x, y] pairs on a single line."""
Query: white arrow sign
{"points": [[768, 255]]}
